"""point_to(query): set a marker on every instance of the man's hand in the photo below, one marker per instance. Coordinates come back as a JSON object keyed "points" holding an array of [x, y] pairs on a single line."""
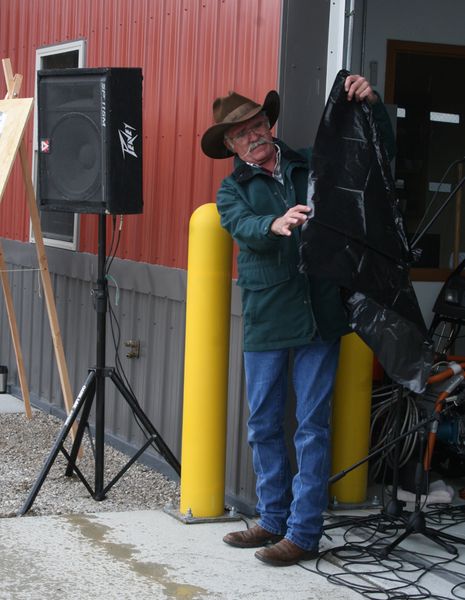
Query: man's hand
{"points": [[295, 216], [359, 88]]}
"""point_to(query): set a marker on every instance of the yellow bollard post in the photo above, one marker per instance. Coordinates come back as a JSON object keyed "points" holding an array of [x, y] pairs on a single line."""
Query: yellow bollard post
{"points": [[206, 365], [351, 418]]}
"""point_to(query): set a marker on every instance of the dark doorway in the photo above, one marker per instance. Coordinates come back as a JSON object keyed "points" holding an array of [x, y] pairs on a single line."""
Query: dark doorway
{"points": [[425, 82]]}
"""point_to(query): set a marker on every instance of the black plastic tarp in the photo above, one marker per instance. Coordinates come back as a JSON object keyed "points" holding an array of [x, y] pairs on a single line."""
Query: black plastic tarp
{"points": [[356, 238]]}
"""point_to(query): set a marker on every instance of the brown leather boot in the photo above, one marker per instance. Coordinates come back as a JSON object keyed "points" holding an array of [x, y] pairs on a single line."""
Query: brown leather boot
{"points": [[251, 538], [284, 553]]}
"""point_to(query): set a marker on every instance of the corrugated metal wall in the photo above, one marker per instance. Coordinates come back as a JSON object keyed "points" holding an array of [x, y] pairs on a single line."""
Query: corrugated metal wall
{"points": [[150, 309], [149, 304], [190, 51]]}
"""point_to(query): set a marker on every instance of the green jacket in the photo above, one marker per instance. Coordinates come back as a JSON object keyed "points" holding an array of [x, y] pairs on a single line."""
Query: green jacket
{"points": [[281, 306]]}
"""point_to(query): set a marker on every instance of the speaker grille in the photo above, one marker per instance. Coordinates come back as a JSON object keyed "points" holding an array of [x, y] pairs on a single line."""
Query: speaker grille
{"points": [[76, 151]]}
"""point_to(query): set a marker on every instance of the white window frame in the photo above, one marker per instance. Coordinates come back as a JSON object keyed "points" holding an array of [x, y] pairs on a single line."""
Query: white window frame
{"points": [[80, 46], [335, 54]]}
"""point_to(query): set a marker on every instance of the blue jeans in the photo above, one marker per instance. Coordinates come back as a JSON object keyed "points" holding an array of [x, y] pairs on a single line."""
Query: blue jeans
{"points": [[291, 506]]}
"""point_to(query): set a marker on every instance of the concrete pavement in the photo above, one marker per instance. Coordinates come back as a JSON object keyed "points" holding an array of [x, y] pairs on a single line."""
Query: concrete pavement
{"points": [[139, 555], [142, 555]]}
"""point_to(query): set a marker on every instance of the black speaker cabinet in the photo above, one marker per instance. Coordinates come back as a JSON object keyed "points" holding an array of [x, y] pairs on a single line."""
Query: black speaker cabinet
{"points": [[90, 140]]}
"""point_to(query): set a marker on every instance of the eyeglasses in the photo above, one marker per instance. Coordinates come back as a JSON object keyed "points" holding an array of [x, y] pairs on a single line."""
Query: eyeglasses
{"points": [[258, 128]]}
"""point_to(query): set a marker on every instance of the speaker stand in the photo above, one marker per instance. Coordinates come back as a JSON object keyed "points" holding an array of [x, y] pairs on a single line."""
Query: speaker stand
{"points": [[94, 389]]}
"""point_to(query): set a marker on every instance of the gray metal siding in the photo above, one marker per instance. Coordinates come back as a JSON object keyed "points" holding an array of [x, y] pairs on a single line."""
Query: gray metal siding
{"points": [[151, 308]]}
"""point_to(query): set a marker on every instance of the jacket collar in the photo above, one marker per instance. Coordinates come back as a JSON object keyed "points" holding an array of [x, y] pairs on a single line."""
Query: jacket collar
{"points": [[243, 171]]}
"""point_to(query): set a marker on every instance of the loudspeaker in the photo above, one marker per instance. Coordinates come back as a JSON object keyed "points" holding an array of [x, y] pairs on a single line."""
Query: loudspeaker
{"points": [[90, 140]]}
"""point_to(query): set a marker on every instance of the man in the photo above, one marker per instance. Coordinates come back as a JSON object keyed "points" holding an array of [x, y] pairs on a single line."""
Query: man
{"points": [[263, 204]]}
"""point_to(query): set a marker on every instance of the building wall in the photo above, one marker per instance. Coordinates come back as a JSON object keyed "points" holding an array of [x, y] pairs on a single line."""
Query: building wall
{"points": [[149, 304], [190, 51]]}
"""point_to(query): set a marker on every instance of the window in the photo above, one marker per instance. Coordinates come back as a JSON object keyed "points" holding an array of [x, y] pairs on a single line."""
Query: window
{"points": [[59, 229]]}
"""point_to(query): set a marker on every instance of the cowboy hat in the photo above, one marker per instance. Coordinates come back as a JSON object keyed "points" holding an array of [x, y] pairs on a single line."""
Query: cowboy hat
{"points": [[231, 110]]}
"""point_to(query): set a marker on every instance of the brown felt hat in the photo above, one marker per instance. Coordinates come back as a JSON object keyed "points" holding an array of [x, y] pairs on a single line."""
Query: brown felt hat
{"points": [[231, 110]]}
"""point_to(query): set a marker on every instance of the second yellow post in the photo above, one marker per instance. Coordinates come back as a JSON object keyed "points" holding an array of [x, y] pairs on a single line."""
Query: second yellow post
{"points": [[351, 418]]}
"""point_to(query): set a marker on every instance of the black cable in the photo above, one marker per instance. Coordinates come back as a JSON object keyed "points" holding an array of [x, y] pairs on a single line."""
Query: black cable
{"points": [[365, 570], [113, 246], [116, 334], [113, 318], [362, 555], [245, 521]]}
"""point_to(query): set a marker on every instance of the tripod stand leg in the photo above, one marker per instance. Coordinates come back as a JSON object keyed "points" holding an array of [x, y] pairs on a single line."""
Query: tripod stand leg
{"points": [[88, 395], [135, 406], [417, 524], [82, 397], [388, 549], [436, 536], [444, 535], [99, 493]]}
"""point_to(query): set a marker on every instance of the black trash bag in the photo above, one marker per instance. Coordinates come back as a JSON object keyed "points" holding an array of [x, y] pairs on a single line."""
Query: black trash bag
{"points": [[356, 238]]}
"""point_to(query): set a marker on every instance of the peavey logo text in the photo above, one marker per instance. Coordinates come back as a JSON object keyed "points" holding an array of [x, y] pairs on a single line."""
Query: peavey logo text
{"points": [[127, 137]]}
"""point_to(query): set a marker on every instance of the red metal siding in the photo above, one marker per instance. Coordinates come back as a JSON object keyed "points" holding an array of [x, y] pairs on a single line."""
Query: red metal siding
{"points": [[190, 51]]}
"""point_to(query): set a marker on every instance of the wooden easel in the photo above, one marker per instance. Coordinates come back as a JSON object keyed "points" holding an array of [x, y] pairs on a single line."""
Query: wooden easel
{"points": [[13, 87], [11, 104]]}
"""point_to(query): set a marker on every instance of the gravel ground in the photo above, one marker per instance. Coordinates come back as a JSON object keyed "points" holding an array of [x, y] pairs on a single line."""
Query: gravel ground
{"points": [[26, 443]]}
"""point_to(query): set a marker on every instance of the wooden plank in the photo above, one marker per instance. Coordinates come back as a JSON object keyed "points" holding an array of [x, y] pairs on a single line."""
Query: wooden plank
{"points": [[13, 87], [46, 280], [9, 76]]}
